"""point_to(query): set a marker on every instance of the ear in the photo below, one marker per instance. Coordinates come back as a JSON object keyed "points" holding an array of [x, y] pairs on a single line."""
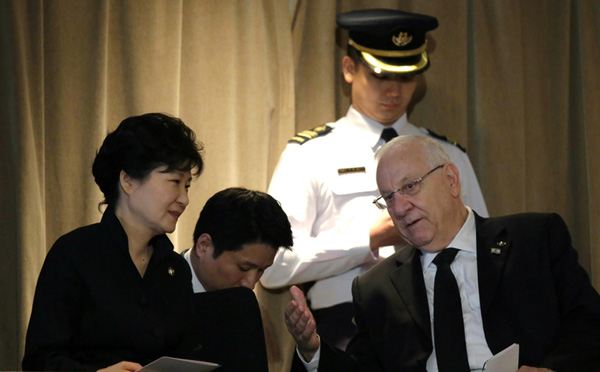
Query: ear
{"points": [[204, 245], [453, 178], [126, 182], [348, 69]]}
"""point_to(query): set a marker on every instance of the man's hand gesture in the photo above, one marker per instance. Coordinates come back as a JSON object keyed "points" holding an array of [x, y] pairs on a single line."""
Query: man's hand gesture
{"points": [[301, 324]]}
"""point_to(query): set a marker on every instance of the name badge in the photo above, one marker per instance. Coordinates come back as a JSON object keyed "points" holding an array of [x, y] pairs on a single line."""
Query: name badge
{"points": [[351, 170]]}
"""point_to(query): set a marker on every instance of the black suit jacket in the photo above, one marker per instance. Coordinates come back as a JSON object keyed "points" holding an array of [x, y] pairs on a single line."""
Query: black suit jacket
{"points": [[533, 293], [228, 330], [92, 308]]}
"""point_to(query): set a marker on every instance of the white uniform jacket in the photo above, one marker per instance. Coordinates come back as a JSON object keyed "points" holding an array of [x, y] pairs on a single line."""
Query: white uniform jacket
{"points": [[326, 186]]}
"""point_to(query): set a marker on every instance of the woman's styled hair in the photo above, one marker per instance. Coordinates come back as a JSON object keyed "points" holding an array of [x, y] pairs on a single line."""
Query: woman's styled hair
{"points": [[141, 144]]}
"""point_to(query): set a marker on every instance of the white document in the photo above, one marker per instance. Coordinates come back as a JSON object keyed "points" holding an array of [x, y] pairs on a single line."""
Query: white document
{"points": [[168, 364], [505, 361]]}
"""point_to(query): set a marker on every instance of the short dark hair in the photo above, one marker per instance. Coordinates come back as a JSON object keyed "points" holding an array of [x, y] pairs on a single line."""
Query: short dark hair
{"points": [[141, 144], [353, 54], [237, 216]]}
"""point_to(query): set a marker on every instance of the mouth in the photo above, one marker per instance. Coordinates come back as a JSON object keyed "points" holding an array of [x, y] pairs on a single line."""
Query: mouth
{"points": [[412, 223], [175, 214], [390, 105]]}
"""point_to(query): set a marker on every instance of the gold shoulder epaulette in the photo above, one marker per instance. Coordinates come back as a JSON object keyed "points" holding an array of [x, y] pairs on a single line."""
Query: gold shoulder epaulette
{"points": [[309, 134], [446, 139]]}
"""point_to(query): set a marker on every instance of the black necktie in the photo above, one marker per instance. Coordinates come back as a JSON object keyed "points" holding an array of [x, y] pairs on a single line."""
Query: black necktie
{"points": [[448, 326], [388, 134]]}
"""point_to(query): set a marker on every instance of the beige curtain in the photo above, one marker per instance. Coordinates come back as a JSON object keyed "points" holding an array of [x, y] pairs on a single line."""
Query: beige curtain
{"points": [[73, 69], [516, 82]]}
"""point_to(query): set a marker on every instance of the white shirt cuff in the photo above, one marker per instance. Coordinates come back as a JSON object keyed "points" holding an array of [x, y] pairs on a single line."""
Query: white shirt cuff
{"points": [[313, 365]]}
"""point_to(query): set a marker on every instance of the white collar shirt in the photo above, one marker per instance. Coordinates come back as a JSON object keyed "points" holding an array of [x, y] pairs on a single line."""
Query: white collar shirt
{"points": [[197, 286], [464, 268], [369, 130]]}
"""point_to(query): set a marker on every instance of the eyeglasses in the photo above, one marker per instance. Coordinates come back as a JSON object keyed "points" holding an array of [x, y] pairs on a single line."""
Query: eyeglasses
{"points": [[409, 189]]}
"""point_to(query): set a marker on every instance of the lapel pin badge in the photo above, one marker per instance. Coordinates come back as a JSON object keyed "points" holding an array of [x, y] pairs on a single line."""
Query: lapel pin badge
{"points": [[498, 249], [171, 271]]}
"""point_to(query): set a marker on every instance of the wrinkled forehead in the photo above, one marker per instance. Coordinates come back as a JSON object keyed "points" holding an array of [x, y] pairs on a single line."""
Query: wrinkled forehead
{"points": [[400, 165]]}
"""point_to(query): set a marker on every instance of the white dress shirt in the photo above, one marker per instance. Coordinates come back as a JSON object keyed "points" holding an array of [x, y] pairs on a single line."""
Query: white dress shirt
{"points": [[198, 287], [464, 268]]}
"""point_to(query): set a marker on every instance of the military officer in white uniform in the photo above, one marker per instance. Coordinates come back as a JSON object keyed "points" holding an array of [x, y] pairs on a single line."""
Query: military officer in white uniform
{"points": [[325, 178]]}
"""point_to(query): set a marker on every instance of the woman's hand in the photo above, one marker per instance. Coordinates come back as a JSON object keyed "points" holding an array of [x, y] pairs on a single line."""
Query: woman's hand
{"points": [[122, 366]]}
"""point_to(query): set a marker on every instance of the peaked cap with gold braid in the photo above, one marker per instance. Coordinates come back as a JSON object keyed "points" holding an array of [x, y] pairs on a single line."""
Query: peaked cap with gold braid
{"points": [[389, 41]]}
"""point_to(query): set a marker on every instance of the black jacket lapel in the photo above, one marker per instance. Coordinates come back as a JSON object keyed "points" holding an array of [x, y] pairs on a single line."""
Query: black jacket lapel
{"points": [[493, 249], [408, 281]]}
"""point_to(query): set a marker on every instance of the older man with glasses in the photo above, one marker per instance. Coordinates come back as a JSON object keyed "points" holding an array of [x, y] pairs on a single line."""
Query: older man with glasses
{"points": [[466, 287]]}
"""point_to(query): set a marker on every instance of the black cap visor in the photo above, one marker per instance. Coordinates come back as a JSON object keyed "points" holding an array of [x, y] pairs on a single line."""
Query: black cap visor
{"points": [[396, 66]]}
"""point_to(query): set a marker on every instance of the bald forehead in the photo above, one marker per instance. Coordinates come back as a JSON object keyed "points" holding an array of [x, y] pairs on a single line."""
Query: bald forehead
{"points": [[410, 146], [403, 153], [400, 165]]}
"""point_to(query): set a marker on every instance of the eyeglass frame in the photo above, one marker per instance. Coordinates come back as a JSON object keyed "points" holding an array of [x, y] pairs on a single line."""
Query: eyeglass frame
{"points": [[402, 190]]}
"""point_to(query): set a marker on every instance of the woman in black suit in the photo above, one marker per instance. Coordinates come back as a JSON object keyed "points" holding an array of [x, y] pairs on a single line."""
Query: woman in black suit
{"points": [[113, 295]]}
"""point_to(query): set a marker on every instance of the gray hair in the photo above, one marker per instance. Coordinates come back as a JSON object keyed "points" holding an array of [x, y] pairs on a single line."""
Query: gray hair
{"points": [[434, 152]]}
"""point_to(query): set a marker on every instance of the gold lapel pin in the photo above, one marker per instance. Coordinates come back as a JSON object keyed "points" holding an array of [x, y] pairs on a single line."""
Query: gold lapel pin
{"points": [[171, 271], [497, 249]]}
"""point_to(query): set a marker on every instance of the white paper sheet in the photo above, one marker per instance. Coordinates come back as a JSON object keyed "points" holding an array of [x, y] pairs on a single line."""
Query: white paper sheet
{"points": [[505, 361], [168, 364]]}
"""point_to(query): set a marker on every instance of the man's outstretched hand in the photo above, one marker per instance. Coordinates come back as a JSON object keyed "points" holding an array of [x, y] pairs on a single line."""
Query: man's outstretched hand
{"points": [[301, 324]]}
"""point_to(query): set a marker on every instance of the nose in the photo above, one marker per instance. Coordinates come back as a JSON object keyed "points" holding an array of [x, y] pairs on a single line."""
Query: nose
{"points": [[250, 280], [183, 197], [394, 88], [401, 204]]}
